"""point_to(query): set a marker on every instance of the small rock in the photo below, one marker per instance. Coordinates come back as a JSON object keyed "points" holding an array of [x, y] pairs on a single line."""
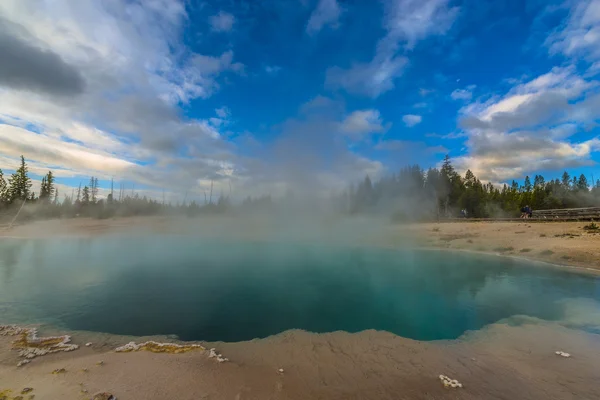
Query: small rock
{"points": [[280, 370], [85, 370], [88, 344], [103, 396], [59, 371], [100, 363], [26, 390], [21, 363], [562, 354]]}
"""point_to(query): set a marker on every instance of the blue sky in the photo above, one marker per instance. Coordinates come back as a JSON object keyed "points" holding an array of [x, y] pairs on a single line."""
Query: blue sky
{"points": [[264, 96]]}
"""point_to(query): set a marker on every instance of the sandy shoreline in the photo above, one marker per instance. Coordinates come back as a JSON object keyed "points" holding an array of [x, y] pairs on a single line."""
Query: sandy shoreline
{"points": [[502, 361], [563, 244], [508, 360]]}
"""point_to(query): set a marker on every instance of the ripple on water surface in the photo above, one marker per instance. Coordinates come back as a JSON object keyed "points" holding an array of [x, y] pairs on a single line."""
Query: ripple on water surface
{"points": [[203, 290]]}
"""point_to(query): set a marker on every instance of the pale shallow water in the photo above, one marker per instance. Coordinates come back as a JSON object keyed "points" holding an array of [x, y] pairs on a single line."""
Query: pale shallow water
{"points": [[219, 291]]}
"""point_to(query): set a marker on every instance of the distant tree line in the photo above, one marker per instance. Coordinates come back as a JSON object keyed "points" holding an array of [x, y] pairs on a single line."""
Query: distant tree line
{"points": [[85, 201], [413, 193], [440, 193]]}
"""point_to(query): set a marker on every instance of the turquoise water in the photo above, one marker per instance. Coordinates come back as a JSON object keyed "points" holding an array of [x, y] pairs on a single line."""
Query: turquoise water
{"points": [[201, 290]]}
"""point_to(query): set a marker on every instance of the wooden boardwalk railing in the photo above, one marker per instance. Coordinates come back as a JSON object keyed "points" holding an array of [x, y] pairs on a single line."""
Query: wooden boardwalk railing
{"points": [[563, 214]]}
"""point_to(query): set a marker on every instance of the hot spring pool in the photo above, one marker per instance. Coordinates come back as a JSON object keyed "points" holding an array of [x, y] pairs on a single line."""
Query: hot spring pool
{"points": [[228, 291]]}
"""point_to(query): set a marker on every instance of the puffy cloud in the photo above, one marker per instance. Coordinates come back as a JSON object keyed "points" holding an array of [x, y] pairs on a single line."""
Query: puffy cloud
{"points": [[327, 13], [362, 122], [222, 22], [528, 129], [28, 67], [411, 120], [501, 157], [406, 22], [547, 99], [114, 76]]}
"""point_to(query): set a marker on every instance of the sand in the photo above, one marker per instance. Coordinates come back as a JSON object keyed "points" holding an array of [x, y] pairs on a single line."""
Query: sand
{"points": [[562, 243], [499, 362], [508, 360]]}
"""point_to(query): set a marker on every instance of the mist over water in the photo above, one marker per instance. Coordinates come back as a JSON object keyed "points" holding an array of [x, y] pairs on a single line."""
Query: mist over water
{"points": [[225, 290]]}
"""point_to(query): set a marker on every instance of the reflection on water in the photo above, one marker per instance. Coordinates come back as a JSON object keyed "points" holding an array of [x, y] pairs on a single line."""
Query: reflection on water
{"points": [[237, 291]]}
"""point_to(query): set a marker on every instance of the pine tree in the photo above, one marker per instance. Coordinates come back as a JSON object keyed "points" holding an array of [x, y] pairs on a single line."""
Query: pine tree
{"points": [[47, 188], [3, 189], [469, 179], [50, 185], [93, 189], [85, 198], [582, 183], [566, 180], [43, 189], [527, 185], [78, 199], [19, 183]]}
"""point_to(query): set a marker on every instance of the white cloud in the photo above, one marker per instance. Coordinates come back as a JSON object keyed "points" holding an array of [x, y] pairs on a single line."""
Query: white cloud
{"points": [[420, 105], [580, 37], [409, 21], [223, 112], [544, 99], [461, 94], [125, 119], [327, 13], [49, 150], [371, 79], [362, 122], [528, 129], [406, 22], [411, 120], [516, 155], [222, 118], [222, 22]]}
